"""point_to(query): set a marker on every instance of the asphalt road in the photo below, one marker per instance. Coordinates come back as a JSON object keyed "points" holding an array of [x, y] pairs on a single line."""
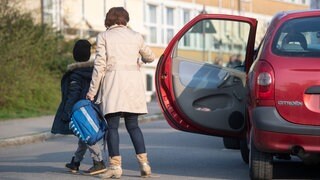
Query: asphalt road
{"points": [[173, 155]]}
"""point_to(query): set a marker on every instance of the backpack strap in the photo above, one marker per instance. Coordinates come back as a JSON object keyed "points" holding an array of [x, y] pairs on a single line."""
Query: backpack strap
{"points": [[105, 121]]}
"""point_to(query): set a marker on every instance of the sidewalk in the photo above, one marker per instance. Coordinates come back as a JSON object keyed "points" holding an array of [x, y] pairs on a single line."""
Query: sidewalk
{"points": [[29, 130]]}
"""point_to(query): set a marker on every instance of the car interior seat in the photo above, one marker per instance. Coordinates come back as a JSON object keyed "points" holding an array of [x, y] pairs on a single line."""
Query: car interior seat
{"points": [[294, 42]]}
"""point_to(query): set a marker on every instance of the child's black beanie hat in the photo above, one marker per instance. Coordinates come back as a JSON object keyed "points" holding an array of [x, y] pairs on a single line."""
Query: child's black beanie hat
{"points": [[82, 50]]}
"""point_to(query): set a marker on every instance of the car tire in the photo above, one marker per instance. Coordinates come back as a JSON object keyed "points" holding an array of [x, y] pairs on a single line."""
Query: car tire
{"points": [[260, 163], [244, 150], [231, 143]]}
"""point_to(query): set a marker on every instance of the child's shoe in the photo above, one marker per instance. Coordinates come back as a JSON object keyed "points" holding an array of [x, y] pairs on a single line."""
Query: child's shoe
{"points": [[97, 168], [73, 166]]}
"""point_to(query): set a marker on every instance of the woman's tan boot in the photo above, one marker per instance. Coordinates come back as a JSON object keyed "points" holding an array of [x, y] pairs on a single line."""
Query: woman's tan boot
{"points": [[114, 170], [145, 168]]}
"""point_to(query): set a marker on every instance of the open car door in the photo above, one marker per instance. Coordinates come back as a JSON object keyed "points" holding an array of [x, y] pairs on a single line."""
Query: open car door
{"points": [[200, 78]]}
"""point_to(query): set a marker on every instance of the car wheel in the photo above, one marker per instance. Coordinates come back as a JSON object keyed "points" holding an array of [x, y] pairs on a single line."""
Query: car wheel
{"points": [[244, 150], [231, 143], [260, 163]]}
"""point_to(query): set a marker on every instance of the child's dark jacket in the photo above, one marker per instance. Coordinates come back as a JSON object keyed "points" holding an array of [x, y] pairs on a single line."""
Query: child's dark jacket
{"points": [[74, 86]]}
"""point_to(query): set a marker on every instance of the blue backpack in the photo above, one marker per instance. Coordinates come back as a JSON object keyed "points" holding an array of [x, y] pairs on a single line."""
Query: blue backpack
{"points": [[87, 123]]}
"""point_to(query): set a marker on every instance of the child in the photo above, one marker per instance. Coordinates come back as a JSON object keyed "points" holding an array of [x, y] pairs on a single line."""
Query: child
{"points": [[74, 86]]}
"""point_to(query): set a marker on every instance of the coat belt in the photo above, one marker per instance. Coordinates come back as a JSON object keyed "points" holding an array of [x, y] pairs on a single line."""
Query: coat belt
{"points": [[122, 67]]}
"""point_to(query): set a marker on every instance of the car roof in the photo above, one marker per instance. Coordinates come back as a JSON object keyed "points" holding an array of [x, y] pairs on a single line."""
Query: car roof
{"points": [[299, 13], [286, 15]]}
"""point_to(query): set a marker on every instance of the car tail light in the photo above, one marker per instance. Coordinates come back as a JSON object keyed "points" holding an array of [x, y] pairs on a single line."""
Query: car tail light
{"points": [[264, 81]]}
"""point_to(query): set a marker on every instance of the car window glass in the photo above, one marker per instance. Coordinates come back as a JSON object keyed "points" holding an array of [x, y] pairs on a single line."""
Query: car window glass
{"points": [[217, 42], [298, 37], [258, 51]]}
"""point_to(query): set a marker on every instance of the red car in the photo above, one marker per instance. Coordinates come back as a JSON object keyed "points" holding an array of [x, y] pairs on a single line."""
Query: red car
{"points": [[212, 80]]}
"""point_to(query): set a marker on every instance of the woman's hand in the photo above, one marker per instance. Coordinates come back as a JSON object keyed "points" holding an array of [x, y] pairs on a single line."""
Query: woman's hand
{"points": [[90, 97]]}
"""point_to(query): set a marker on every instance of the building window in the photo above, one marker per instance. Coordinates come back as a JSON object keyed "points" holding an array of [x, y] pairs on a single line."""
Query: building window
{"points": [[151, 23], [51, 13], [186, 16], [163, 20], [149, 82], [211, 41], [153, 35], [169, 25], [303, 2], [48, 12], [186, 19], [153, 14], [170, 33], [315, 4], [170, 16]]}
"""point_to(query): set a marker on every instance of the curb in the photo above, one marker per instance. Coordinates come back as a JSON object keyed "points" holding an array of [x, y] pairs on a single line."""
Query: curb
{"points": [[26, 139], [42, 136]]}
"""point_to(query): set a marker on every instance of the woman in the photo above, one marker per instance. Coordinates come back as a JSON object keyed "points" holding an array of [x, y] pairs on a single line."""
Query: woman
{"points": [[118, 82]]}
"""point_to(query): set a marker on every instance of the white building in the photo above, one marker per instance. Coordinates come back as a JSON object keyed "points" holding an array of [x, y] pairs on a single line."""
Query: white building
{"points": [[157, 20]]}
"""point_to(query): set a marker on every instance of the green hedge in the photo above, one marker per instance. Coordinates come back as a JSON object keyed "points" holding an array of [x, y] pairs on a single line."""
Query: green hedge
{"points": [[33, 58]]}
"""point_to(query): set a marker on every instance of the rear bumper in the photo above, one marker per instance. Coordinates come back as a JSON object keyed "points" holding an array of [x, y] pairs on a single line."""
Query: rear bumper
{"points": [[274, 134]]}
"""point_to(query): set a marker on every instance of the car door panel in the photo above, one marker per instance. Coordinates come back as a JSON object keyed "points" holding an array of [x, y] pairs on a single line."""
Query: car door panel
{"points": [[204, 91], [197, 95]]}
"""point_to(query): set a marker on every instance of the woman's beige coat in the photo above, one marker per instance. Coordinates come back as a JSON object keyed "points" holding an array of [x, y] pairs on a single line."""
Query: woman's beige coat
{"points": [[116, 78]]}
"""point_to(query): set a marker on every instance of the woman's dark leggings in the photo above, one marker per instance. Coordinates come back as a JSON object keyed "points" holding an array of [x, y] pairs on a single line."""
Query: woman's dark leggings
{"points": [[131, 122]]}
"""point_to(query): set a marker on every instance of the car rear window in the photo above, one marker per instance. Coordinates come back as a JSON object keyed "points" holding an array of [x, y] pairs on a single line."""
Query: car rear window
{"points": [[298, 37]]}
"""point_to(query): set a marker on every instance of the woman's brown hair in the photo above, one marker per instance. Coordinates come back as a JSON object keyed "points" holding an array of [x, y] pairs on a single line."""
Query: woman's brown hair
{"points": [[116, 15]]}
